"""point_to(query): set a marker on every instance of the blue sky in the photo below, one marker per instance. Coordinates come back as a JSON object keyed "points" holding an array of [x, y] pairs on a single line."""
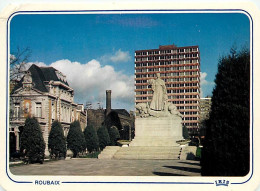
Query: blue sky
{"points": [[104, 44]]}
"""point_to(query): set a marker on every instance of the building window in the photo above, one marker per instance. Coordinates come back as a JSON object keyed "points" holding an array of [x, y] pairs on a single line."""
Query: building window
{"points": [[17, 110], [52, 110], [194, 49], [38, 112]]}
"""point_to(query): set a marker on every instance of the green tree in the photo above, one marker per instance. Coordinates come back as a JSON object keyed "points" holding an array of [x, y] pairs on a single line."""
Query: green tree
{"points": [[226, 146], [114, 135], [185, 132], [112, 119], [103, 137], [75, 139], [91, 139], [57, 141], [32, 142]]}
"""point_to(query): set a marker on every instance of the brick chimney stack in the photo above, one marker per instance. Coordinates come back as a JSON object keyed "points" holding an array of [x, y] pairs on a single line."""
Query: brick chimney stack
{"points": [[108, 101]]}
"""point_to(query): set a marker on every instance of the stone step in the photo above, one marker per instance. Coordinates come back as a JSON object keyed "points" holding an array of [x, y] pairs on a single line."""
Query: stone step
{"points": [[108, 152], [146, 157], [153, 144], [148, 153], [159, 138], [154, 141], [148, 148], [109, 148], [134, 156]]}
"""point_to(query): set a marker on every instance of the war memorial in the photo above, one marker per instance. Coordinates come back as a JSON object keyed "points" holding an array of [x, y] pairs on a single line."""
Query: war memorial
{"points": [[157, 128]]}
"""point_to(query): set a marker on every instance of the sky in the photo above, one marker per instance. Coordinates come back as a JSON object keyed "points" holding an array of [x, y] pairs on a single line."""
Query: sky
{"points": [[96, 51]]}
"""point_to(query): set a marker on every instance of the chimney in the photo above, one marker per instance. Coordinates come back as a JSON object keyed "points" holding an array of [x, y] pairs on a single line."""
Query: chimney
{"points": [[108, 101]]}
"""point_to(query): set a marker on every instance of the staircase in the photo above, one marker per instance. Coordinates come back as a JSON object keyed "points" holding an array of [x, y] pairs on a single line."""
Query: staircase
{"points": [[108, 152], [148, 152], [154, 141]]}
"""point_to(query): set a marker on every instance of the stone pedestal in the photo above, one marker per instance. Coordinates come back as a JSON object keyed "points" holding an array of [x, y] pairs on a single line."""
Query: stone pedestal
{"points": [[166, 130], [155, 138]]}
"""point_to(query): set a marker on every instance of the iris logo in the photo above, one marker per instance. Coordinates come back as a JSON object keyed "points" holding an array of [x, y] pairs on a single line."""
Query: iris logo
{"points": [[221, 182]]}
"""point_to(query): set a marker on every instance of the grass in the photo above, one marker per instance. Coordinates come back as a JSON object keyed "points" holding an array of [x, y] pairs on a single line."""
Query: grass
{"points": [[198, 152], [91, 155], [22, 163], [19, 164]]}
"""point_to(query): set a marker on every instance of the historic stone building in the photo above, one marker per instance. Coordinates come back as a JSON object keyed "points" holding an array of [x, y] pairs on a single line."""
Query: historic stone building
{"points": [[44, 93], [179, 67], [205, 108], [120, 118]]}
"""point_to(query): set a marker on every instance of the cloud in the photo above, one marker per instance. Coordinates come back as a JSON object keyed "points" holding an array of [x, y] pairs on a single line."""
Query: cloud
{"points": [[91, 80], [40, 64], [203, 80], [118, 56], [206, 86]]}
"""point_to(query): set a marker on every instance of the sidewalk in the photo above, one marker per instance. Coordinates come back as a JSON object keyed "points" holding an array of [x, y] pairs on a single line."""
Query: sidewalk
{"points": [[96, 167]]}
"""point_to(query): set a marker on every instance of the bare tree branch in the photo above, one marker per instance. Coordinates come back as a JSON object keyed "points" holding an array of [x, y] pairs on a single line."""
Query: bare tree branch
{"points": [[18, 61]]}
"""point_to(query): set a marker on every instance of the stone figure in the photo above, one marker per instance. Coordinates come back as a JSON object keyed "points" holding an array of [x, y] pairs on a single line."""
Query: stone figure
{"points": [[27, 81], [160, 97], [27, 77], [159, 106], [172, 109], [142, 109]]}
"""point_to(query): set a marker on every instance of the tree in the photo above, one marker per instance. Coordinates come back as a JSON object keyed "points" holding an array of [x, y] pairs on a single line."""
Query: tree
{"points": [[32, 142], [185, 132], [57, 141], [91, 138], [114, 135], [75, 139], [112, 119], [103, 137], [18, 63], [226, 146]]}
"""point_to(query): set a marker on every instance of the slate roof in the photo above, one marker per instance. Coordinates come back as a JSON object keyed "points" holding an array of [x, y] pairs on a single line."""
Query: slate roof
{"points": [[39, 75], [120, 111]]}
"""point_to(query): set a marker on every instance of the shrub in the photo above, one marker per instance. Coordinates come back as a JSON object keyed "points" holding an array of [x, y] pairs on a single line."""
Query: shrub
{"points": [[91, 139], [32, 142], [114, 135], [75, 139], [185, 132], [226, 147], [57, 141], [103, 137], [112, 119]]}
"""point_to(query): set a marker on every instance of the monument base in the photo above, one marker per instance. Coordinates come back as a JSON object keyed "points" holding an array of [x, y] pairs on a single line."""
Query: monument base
{"points": [[155, 138], [152, 131]]}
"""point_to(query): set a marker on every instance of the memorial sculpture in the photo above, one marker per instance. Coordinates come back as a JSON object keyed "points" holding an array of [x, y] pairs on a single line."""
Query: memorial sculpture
{"points": [[158, 127], [159, 106]]}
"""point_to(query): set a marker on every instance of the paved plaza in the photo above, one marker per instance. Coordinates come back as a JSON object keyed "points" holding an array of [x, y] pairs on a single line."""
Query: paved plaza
{"points": [[97, 167]]}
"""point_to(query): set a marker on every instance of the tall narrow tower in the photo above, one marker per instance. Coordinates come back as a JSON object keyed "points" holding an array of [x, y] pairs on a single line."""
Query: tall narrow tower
{"points": [[108, 101]]}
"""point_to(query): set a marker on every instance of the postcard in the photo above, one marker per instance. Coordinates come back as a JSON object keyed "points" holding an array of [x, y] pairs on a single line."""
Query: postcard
{"points": [[130, 96]]}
